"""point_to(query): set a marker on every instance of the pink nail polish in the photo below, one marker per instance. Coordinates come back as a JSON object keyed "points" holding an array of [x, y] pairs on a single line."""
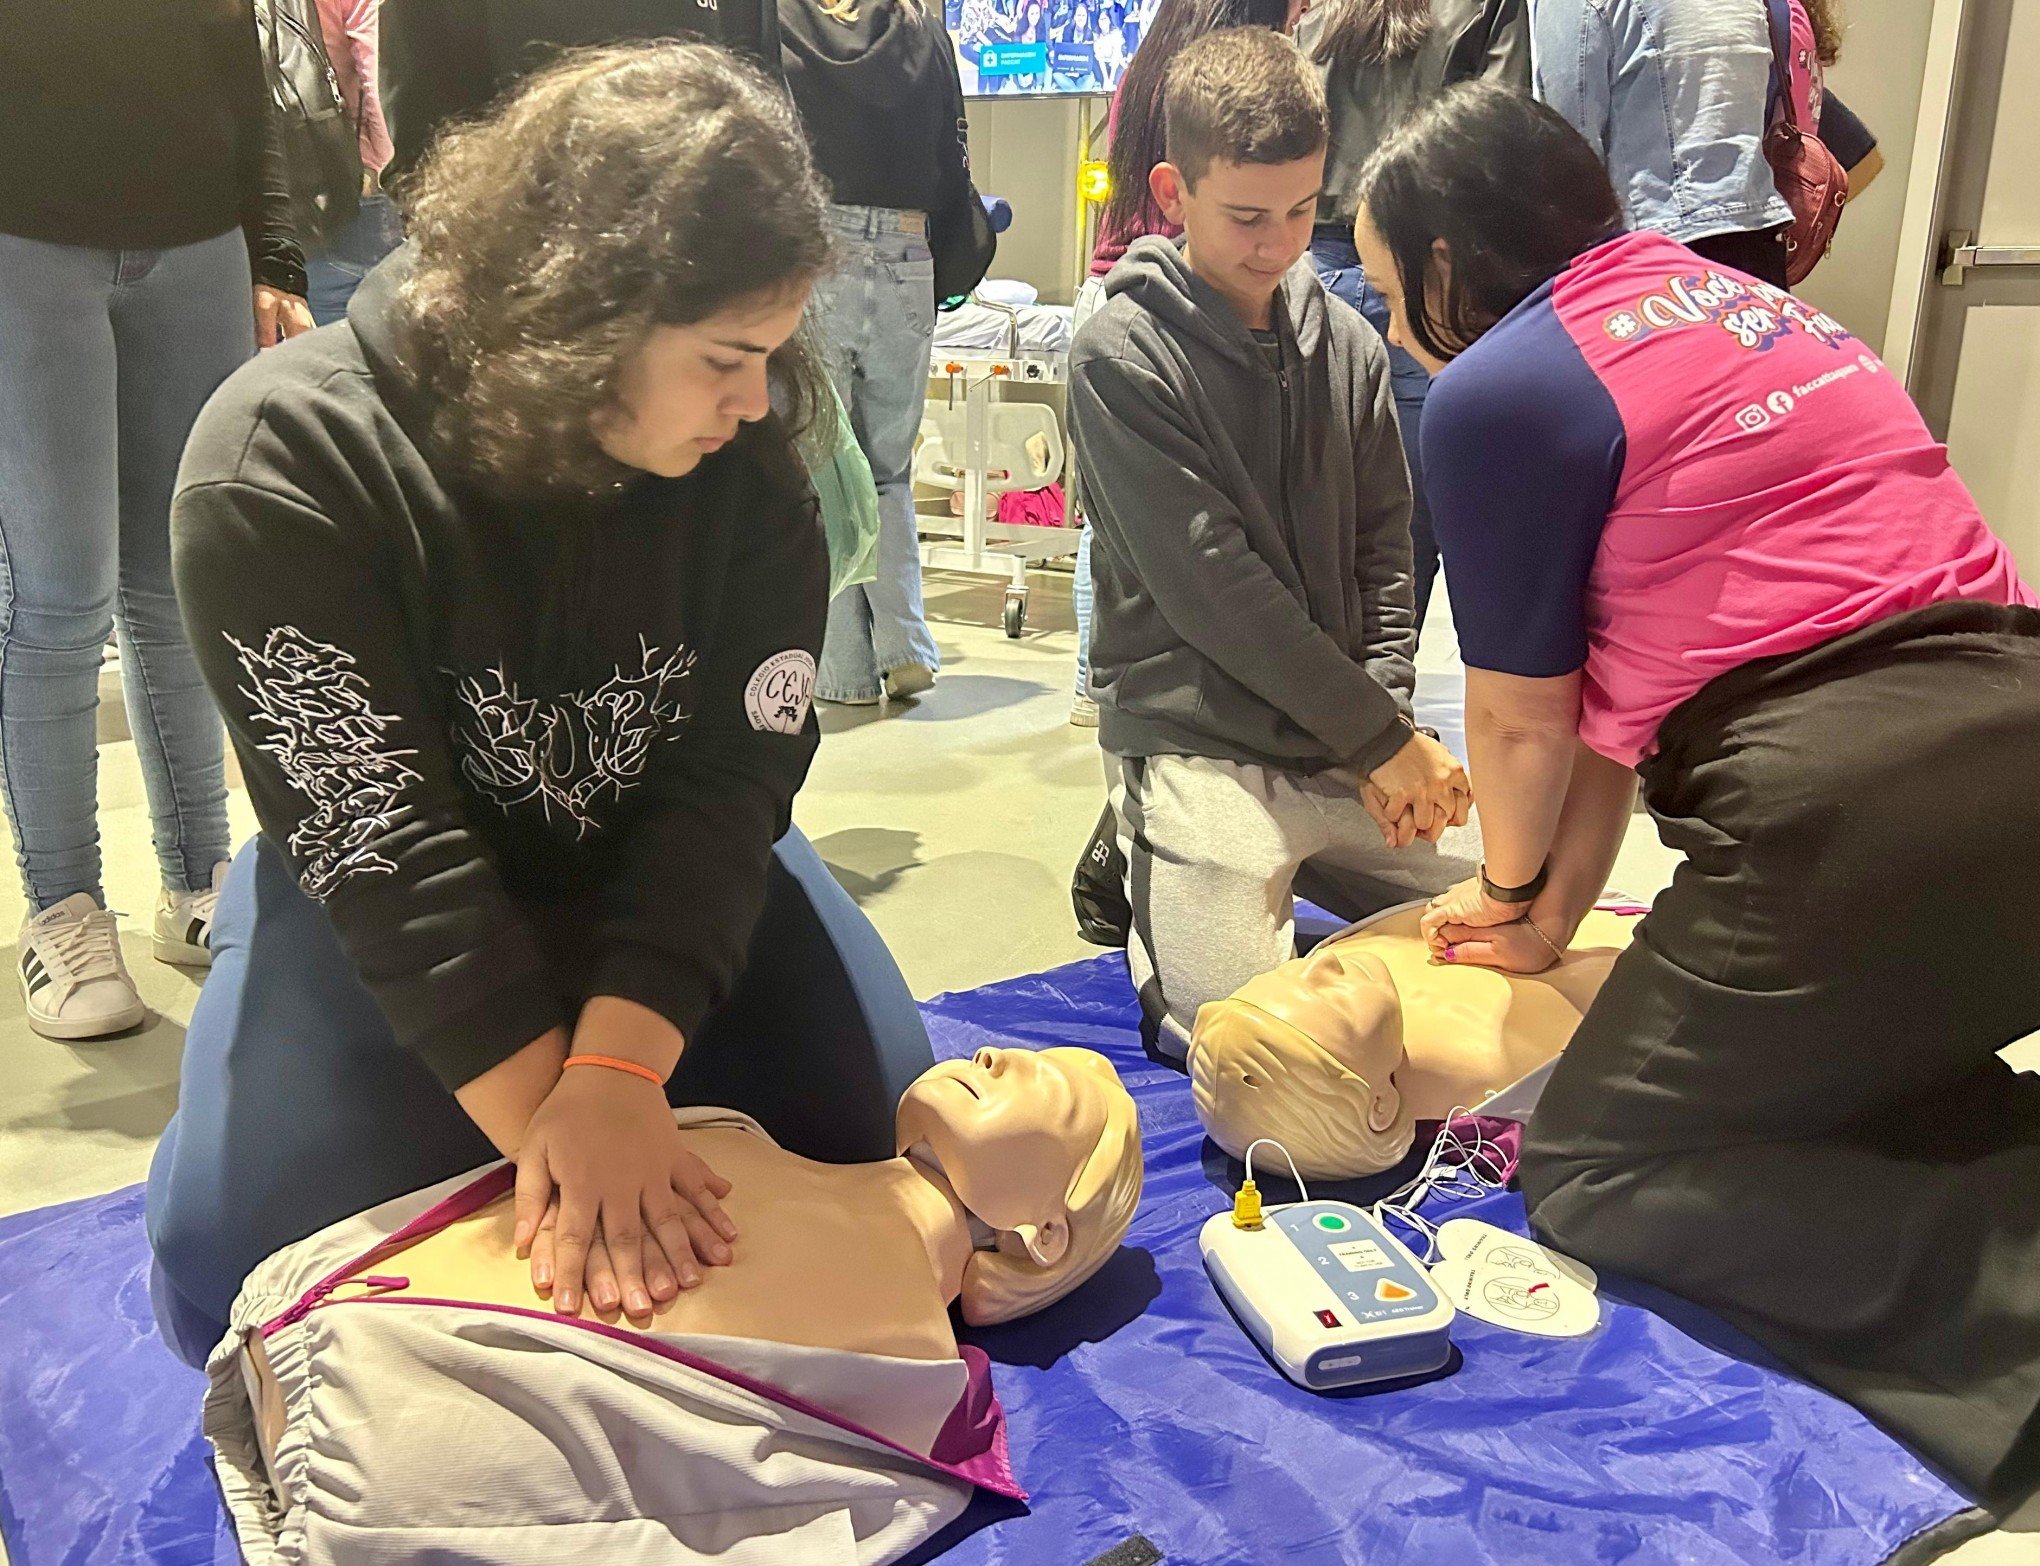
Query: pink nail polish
{"points": [[1451, 954]]}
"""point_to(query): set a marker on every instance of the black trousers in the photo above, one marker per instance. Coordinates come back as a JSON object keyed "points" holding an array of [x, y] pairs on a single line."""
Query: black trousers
{"points": [[1787, 1102]]}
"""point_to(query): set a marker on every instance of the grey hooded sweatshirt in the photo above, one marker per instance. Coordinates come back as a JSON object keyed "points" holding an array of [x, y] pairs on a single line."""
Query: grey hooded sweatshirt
{"points": [[1251, 548]]}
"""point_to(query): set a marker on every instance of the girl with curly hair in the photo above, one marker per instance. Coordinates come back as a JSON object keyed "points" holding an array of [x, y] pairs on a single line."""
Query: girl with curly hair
{"points": [[510, 588]]}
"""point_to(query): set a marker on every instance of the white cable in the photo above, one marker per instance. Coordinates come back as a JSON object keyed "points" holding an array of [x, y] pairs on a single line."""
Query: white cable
{"points": [[1269, 1141], [1453, 1170]]}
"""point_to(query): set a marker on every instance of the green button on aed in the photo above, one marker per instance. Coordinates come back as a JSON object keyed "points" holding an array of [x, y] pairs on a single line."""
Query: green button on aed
{"points": [[1332, 1223]]}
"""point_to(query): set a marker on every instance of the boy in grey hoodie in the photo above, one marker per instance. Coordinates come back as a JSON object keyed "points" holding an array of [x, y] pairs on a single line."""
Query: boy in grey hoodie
{"points": [[1253, 636]]}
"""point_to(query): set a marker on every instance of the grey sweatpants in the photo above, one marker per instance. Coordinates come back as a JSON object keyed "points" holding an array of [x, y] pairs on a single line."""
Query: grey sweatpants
{"points": [[1214, 852]]}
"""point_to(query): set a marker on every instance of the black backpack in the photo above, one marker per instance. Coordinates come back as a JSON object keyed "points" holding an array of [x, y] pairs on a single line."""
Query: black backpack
{"points": [[321, 150]]}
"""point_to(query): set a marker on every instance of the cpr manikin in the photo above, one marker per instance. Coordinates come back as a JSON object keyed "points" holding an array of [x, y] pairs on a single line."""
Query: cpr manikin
{"points": [[807, 1403], [1339, 1054]]}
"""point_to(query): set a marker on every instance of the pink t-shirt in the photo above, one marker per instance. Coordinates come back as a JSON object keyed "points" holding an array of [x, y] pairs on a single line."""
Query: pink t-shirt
{"points": [[352, 35], [1655, 470], [1808, 75]]}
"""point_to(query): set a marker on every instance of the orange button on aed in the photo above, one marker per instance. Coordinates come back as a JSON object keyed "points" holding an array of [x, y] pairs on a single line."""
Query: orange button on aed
{"points": [[1393, 1293]]}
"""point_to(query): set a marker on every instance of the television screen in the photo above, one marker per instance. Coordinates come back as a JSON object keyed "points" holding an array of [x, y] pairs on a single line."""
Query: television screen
{"points": [[1029, 48]]}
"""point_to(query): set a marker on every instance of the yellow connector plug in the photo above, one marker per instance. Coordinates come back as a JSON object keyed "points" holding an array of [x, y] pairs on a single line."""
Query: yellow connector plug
{"points": [[1246, 1207]]}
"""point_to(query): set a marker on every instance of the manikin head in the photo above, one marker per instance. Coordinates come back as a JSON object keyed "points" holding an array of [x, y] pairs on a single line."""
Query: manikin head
{"points": [[1307, 1055], [1041, 1146]]}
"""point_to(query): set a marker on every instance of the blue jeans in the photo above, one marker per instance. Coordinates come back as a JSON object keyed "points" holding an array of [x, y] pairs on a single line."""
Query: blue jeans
{"points": [[337, 271], [1082, 591], [297, 1108], [106, 357], [1338, 268], [876, 317]]}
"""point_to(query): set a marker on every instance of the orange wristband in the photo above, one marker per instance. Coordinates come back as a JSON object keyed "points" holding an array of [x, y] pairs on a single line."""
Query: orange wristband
{"points": [[614, 1064]]}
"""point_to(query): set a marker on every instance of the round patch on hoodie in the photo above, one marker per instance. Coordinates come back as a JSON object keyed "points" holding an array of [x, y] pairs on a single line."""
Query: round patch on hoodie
{"points": [[777, 697]]}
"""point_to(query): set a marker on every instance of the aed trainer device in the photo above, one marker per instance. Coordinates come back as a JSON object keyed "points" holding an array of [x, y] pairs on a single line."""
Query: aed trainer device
{"points": [[1330, 1296]]}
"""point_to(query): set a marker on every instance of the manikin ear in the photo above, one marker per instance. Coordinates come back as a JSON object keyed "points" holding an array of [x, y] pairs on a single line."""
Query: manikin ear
{"points": [[1169, 188], [1386, 1104], [1045, 1243]]}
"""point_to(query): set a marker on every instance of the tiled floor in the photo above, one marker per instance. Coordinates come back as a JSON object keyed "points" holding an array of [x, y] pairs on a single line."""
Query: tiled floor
{"points": [[954, 822]]}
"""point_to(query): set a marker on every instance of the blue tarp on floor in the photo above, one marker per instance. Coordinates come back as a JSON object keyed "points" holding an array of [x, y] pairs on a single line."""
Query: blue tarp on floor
{"points": [[1137, 1407]]}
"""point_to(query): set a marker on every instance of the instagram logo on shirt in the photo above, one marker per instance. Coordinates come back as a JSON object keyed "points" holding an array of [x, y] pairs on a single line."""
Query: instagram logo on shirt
{"points": [[1754, 417]]}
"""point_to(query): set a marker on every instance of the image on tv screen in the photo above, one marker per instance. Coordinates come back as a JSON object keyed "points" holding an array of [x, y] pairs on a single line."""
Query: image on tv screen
{"points": [[1021, 48]]}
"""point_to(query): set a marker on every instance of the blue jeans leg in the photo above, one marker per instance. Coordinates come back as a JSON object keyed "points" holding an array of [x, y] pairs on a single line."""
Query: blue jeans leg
{"points": [[1083, 593], [876, 316], [335, 273], [1338, 268], [105, 359], [1082, 589], [297, 1107]]}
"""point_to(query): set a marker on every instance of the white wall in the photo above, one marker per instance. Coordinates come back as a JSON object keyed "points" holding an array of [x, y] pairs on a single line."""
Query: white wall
{"points": [[1880, 76], [1026, 149]]}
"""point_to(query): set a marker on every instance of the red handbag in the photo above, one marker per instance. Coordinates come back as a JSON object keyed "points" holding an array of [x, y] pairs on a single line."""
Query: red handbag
{"points": [[1810, 178]]}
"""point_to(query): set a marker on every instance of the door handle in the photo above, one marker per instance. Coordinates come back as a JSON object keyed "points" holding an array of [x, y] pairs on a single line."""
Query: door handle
{"points": [[1960, 254]]}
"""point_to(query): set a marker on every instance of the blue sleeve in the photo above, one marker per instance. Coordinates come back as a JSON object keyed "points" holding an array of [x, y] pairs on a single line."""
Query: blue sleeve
{"points": [[1522, 448], [1847, 137]]}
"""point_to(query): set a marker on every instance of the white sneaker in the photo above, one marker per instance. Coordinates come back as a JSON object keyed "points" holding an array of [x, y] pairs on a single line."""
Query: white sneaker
{"points": [[184, 922], [908, 681], [1083, 712], [72, 974]]}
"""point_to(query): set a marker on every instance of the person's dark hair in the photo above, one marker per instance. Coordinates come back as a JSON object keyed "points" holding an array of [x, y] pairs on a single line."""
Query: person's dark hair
{"points": [[1242, 96], [619, 190], [1137, 131], [1372, 32], [1513, 190]]}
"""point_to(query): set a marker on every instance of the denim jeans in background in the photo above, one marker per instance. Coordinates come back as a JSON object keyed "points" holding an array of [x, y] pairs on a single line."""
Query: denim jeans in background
{"points": [[337, 271], [1674, 96], [876, 317], [1338, 268], [1082, 592], [106, 356]]}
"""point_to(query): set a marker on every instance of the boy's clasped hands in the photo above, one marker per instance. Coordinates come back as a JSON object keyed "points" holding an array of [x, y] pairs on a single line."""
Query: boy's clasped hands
{"points": [[1417, 793]]}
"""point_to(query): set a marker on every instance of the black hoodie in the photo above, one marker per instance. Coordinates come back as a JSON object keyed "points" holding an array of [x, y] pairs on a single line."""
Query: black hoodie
{"points": [[523, 753], [444, 60], [882, 103]]}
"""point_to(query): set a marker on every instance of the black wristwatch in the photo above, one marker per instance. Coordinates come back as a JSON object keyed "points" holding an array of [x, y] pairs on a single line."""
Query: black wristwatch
{"points": [[1526, 893]]}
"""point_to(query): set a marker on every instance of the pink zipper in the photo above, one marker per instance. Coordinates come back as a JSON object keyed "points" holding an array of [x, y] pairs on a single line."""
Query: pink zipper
{"points": [[469, 1199], [989, 1468]]}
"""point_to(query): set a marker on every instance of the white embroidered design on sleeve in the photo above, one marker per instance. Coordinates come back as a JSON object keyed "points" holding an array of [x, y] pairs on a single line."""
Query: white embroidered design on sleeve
{"points": [[331, 746], [572, 753]]}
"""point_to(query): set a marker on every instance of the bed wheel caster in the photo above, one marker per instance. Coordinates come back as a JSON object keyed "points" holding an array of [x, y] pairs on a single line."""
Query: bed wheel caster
{"points": [[1016, 612]]}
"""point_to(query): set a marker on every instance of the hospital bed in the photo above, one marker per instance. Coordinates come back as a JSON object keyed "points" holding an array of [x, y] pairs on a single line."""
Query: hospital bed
{"points": [[977, 443]]}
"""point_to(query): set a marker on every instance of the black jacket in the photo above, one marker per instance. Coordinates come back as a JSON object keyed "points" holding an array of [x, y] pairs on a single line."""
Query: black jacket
{"points": [[141, 125], [524, 754], [1252, 557], [1470, 40], [448, 59], [882, 103]]}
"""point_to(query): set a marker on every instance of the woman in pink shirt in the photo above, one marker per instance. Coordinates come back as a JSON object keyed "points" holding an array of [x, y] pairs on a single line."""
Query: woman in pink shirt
{"points": [[350, 29], [1695, 530]]}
